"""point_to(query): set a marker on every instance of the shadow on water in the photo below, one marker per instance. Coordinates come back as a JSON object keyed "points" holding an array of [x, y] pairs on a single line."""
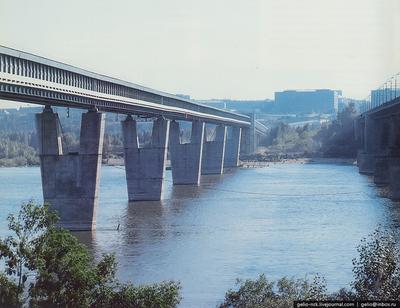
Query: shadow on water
{"points": [[148, 220], [87, 237], [144, 221]]}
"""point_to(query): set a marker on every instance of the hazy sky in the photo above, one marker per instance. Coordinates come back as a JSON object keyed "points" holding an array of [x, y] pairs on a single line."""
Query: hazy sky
{"points": [[216, 49]]}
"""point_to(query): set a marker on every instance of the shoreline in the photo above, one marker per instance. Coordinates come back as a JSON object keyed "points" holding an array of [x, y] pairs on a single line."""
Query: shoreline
{"points": [[243, 163], [320, 160]]}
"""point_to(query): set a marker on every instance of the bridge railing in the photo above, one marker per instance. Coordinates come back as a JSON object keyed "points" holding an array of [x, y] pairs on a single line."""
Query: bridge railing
{"points": [[386, 93]]}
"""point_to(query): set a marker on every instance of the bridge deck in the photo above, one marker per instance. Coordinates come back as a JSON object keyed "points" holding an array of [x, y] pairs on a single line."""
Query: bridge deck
{"points": [[29, 78]]}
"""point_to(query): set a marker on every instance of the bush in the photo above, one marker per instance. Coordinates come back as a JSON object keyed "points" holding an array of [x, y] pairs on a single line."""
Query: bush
{"points": [[264, 293], [377, 269]]}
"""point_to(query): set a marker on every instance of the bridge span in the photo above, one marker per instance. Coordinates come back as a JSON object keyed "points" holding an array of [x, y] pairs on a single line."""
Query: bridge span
{"points": [[377, 132], [70, 181]]}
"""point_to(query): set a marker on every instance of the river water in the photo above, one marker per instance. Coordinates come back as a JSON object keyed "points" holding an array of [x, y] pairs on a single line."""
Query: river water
{"points": [[286, 219]]}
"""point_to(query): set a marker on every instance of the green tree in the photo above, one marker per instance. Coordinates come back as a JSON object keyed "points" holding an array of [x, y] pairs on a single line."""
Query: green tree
{"points": [[19, 251], [377, 269], [260, 292], [338, 139]]}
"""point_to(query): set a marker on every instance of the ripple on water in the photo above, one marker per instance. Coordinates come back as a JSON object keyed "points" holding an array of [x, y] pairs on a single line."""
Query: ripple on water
{"points": [[294, 220]]}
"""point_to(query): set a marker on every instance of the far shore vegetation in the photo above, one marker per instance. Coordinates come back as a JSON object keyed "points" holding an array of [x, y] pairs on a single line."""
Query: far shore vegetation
{"points": [[19, 146], [44, 266]]}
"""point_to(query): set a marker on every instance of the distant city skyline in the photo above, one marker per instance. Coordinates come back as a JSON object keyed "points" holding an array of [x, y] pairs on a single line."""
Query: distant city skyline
{"points": [[216, 49]]}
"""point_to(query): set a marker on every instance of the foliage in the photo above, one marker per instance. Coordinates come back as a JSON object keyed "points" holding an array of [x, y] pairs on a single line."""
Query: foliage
{"points": [[19, 252], [164, 294], [9, 295], [337, 139], [286, 139], [18, 149], [333, 140], [263, 293], [60, 270], [377, 269]]}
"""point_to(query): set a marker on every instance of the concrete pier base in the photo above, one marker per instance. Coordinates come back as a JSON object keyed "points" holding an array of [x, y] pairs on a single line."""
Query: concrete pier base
{"points": [[245, 141], [214, 152], [366, 163], [145, 167], [186, 158], [71, 181], [232, 148], [394, 179], [381, 173]]}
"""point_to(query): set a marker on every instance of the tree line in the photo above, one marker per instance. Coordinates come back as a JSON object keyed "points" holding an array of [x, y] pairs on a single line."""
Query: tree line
{"points": [[334, 139]]}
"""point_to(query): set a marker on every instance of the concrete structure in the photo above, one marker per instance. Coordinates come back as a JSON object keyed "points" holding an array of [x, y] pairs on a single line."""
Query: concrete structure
{"points": [[214, 152], [71, 181], [145, 166], [232, 147], [186, 158], [377, 132]]}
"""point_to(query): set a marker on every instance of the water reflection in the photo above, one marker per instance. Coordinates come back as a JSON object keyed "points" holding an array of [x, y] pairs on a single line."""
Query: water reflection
{"points": [[144, 221], [87, 237]]}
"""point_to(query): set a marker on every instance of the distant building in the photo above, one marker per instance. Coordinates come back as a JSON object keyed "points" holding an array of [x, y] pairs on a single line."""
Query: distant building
{"points": [[323, 101]]}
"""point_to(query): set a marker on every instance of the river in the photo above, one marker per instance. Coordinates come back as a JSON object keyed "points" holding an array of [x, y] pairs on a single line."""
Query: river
{"points": [[286, 219]]}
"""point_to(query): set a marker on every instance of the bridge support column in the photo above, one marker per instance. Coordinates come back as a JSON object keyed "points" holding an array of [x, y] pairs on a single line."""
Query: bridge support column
{"points": [[145, 167], [245, 141], [394, 178], [186, 158], [394, 159], [381, 173], [253, 136], [232, 148], [366, 157], [71, 181], [214, 152]]}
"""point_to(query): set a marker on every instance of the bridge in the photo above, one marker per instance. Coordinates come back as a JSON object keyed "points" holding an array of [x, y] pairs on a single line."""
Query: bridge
{"points": [[377, 132], [70, 181]]}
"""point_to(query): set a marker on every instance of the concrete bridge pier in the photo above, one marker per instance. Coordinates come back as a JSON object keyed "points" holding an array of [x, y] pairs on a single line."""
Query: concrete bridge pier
{"points": [[145, 167], [394, 178], [70, 181], [394, 158], [368, 151], [186, 158], [382, 159], [245, 141], [214, 152], [232, 147], [381, 174]]}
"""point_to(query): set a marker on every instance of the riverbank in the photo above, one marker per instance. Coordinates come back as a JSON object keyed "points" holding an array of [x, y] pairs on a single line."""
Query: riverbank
{"points": [[119, 162], [319, 160]]}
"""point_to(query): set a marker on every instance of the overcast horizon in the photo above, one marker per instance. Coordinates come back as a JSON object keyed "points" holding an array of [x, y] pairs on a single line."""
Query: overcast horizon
{"points": [[225, 49]]}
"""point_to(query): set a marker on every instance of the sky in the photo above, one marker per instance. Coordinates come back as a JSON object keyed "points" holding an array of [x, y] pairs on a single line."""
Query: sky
{"points": [[237, 49]]}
